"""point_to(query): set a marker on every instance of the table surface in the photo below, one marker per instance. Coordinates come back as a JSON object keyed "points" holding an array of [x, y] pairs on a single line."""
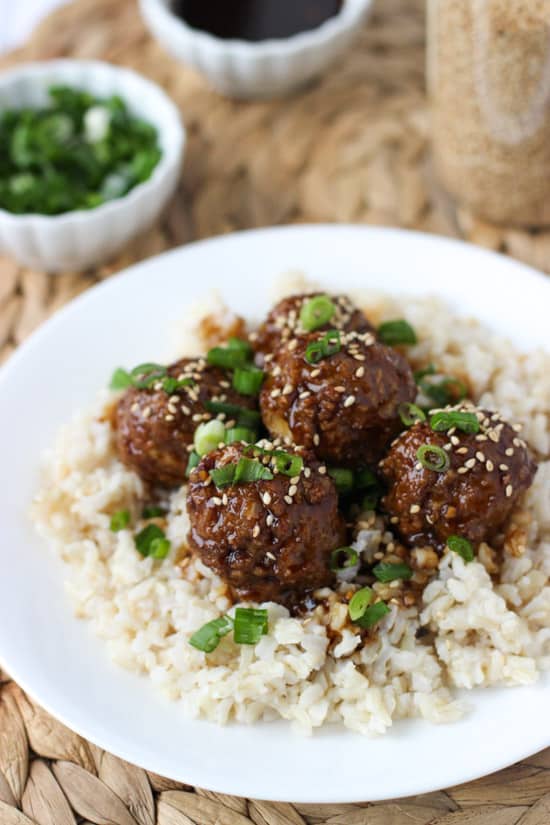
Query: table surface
{"points": [[353, 147]]}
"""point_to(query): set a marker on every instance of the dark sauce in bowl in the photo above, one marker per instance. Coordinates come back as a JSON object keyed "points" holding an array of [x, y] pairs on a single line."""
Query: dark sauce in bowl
{"points": [[256, 20]]}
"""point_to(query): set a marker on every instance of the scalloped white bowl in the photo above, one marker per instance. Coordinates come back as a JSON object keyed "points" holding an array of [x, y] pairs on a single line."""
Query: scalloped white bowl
{"points": [[81, 238], [269, 68]]}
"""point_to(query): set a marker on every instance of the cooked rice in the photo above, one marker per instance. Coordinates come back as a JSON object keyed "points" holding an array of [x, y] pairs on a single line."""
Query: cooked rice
{"points": [[484, 631]]}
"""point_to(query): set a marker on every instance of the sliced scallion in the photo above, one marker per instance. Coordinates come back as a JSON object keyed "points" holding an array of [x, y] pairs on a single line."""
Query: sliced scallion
{"points": [[192, 462], [244, 417], [422, 373], [373, 614], [153, 512], [145, 375], [343, 479], [240, 434], [151, 541], [343, 558], [447, 390], [326, 346], [445, 420], [248, 380], [119, 520], [359, 603], [433, 458], [249, 625], [460, 545], [244, 471], [229, 357], [120, 379], [410, 414], [208, 637], [208, 436], [316, 312], [386, 572], [396, 332]]}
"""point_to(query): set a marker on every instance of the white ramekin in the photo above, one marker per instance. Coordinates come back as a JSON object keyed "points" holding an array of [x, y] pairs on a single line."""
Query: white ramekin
{"points": [[79, 239], [264, 69]]}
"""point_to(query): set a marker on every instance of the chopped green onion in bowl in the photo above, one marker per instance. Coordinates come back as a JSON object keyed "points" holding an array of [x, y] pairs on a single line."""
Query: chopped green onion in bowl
{"points": [[248, 380], [373, 614], [432, 457], [249, 625], [208, 436], [78, 152], [359, 603], [445, 420], [410, 414], [461, 545], [326, 346], [343, 558], [119, 520], [387, 572], [151, 541], [394, 333]]}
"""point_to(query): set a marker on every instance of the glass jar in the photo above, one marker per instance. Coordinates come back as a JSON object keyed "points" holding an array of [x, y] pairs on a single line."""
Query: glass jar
{"points": [[489, 83]]}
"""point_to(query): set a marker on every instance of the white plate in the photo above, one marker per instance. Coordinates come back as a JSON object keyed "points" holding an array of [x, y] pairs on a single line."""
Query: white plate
{"points": [[55, 658]]}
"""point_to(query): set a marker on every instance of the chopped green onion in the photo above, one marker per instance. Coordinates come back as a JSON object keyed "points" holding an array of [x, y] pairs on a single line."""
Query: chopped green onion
{"points": [[120, 380], [192, 462], [316, 312], [208, 436], [359, 603], [159, 548], [396, 332], [460, 545], [366, 480], [410, 414], [326, 346], [248, 380], [244, 471], [240, 434], [250, 624], [241, 345], [373, 614], [464, 421], [145, 375], [386, 572], [208, 637], [343, 479], [448, 390], [369, 502], [433, 458], [171, 385], [119, 520], [151, 541], [420, 374], [343, 558], [229, 357], [153, 512], [244, 417], [288, 464]]}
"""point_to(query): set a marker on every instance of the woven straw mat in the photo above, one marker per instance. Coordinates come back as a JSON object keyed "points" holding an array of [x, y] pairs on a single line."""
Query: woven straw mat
{"points": [[351, 148]]}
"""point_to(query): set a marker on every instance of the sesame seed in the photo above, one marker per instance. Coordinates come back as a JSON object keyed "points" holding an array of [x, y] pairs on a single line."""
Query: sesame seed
{"points": [[270, 555], [315, 373], [135, 407], [173, 399], [295, 479], [359, 372], [172, 409], [503, 467], [197, 417], [316, 439], [287, 389], [509, 490], [256, 531], [322, 470], [480, 457], [276, 371], [429, 519], [169, 417], [493, 436], [224, 499], [268, 357], [304, 394], [463, 451], [217, 501], [490, 466], [378, 556], [394, 519], [339, 389], [266, 498], [360, 357], [288, 500], [275, 393], [307, 472], [451, 431], [414, 508], [350, 401], [516, 442], [447, 447], [292, 490], [470, 463], [146, 412], [455, 441], [462, 470], [394, 584], [292, 344], [481, 437], [269, 520], [517, 428], [418, 465], [185, 410], [509, 451]]}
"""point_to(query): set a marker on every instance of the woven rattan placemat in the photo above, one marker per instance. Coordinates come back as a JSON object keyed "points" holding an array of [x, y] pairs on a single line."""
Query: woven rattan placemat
{"points": [[351, 148]]}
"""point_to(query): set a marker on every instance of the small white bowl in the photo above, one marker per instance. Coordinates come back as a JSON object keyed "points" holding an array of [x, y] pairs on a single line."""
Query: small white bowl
{"points": [[82, 238], [264, 69]]}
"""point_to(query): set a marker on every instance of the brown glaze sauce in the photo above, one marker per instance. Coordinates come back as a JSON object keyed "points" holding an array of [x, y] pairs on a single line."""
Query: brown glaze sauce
{"points": [[256, 20]]}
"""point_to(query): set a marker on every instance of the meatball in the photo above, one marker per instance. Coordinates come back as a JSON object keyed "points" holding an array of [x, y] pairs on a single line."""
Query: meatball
{"points": [[345, 406], [488, 472], [155, 429], [283, 322], [270, 539]]}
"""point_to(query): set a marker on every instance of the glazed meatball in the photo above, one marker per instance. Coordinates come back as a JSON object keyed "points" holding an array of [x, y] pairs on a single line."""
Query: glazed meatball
{"points": [[487, 473], [283, 322], [268, 539], [155, 429], [345, 406]]}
